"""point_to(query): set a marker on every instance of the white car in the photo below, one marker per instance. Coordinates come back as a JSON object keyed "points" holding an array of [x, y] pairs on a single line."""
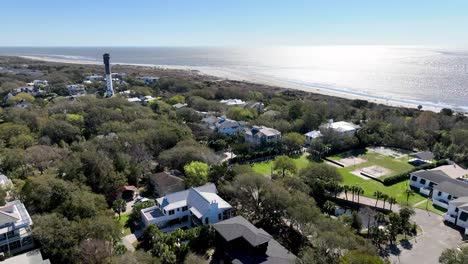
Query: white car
{"points": [[140, 199]]}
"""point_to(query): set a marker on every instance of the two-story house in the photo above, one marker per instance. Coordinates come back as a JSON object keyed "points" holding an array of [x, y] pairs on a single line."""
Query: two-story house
{"points": [[228, 126], [15, 228], [457, 213], [76, 89], [188, 208], [261, 135]]}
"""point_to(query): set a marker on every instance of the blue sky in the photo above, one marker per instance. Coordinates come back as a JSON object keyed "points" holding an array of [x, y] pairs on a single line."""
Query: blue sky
{"points": [[233, 22]]}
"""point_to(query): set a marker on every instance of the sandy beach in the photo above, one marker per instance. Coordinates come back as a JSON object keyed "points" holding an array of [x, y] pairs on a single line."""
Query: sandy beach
{"points": [[265, 80]]}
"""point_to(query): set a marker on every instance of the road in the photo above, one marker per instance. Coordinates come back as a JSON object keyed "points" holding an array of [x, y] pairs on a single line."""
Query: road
{"points": [[427, 247]]}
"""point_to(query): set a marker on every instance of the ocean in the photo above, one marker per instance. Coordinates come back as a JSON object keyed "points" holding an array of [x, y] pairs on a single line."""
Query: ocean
{"points": [[402, 75]]}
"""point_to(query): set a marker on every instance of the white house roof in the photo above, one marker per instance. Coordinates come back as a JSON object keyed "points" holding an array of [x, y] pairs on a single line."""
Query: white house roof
{"points": [[199, 200], [313, 134], [233, 102], [342, 126], [177, 199]]}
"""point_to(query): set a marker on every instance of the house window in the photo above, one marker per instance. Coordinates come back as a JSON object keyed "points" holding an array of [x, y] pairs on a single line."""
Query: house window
{"points": [[439, 193], [178, 209], [449, 197], [207, 221], [431, 184], [414, 178], [185, 208], [219, 216], [422, 181], [171, 212], [463, 216], [456, 210]]}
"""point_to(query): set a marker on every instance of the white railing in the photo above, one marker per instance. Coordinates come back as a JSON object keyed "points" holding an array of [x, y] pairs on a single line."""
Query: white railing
{"points": [[440, 203]]}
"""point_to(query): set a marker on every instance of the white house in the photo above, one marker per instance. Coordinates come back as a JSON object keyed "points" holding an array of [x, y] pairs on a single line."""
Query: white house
{"points": [[447, 191], [40, 83], [341, 127], [233, 102], [15, 228], [441, 187], [311, 136], [425, 180], [189, 208], [457, 212], [261, 134], [76, 89]]}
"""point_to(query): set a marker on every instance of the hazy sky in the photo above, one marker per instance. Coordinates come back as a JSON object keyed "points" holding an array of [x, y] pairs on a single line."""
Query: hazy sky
{"points": [[233, 22]]}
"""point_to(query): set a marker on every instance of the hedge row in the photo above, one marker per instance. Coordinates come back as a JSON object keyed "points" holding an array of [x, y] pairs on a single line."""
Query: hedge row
{"points": [[403, 176]]}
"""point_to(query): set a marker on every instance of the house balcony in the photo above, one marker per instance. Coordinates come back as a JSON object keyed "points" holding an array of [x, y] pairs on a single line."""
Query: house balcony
{"points": [[440, 203], [450, 218]]}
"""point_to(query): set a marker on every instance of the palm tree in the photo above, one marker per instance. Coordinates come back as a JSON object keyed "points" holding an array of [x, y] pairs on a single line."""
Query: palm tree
{"points": [[353, 189], [379, 218], [346, 189], [377, 195], [409, 193], [391, 201], [384, 198], [329, 207], [360, 192]]}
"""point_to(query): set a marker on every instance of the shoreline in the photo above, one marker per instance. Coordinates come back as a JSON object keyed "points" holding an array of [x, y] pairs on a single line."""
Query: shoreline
{"points": [[231, 75]]}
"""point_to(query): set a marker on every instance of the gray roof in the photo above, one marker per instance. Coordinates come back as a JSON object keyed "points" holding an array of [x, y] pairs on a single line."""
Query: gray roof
{"points": [[433, 175], [238, 227], [453, 187], [424, 155], [227, 123]]}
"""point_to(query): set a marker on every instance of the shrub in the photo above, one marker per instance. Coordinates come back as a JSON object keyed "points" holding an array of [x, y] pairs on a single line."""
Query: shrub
{"points": [[403, 176]]}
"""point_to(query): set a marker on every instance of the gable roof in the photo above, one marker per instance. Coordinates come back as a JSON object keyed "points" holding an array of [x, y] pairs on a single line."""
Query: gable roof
{"points": [[165, 179], [435, 176], [423, 155], [178, 199], [238, 227], [453, 187]]}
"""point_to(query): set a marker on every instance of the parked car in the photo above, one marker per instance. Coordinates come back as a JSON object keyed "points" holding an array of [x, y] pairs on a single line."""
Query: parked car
{"points": [[140, 199]]}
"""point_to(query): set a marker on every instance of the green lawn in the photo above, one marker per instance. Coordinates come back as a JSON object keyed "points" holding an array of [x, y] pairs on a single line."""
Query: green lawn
{"points": [[123, 222], [369, 186], [432, 208], [265, 167], [397, 166]]}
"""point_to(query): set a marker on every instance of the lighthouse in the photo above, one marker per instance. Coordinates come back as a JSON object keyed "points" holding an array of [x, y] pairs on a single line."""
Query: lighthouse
{"points": [[109, 89]]}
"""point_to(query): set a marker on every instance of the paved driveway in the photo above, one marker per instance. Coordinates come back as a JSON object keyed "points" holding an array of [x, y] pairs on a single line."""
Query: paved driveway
{"points": [[427, 247]]}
